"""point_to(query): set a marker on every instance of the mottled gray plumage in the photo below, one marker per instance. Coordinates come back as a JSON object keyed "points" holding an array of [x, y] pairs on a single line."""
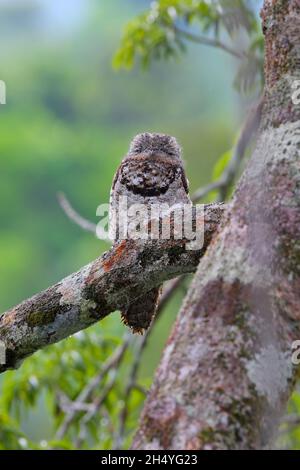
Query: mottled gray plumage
{"points": [[152, 172], [150, 143]]}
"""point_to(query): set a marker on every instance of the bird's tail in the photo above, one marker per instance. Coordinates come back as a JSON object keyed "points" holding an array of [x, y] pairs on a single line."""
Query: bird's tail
{"points": [[138, 316]]}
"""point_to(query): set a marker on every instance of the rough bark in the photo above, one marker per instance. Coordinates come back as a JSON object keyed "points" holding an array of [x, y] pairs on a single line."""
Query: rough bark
{"points": [[226, 372], [111, 282]]}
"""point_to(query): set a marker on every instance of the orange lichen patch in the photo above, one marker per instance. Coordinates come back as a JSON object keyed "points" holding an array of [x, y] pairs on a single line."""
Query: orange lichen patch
{"points": [[194, 444], [115, 256], [8, 318]]}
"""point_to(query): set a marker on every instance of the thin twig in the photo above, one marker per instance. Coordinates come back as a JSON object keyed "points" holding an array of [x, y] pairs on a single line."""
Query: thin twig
{"points": [[288, 423], [73, 215], [249, 129], [209, 42], [223, 184], [140, 389], [292, 420], [96, 406], [205, 190], [85, 394]]}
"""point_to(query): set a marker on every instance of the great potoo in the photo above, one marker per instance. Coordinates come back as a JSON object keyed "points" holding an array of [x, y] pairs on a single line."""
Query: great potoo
{"points": [[152, 172]]}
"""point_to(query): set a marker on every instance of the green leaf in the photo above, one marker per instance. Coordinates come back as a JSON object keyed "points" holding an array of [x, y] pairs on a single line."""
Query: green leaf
{"points": [[221, 164]]}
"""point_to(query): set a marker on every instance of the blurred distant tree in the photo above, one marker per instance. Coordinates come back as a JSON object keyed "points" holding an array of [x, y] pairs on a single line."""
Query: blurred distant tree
{"points": [[21, 15]]}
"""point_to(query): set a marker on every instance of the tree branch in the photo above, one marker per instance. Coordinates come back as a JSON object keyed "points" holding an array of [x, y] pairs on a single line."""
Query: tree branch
{"points": [[130, 269]]}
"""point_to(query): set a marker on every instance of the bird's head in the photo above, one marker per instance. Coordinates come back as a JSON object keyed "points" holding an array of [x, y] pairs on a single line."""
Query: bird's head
{"points": [[153, 143]]}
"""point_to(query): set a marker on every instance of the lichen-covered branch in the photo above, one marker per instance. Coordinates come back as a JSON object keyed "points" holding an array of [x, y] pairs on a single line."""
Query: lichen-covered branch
{"points": [[226, 371], [129, 270]]}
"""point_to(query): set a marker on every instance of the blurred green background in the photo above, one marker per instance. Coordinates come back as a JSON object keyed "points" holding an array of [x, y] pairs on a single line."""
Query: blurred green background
{"points": [[68, 121]]}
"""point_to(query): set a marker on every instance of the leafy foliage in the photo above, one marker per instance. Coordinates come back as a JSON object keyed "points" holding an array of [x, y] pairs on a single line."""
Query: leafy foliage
{"points": [[162, 32], [59, 375]]}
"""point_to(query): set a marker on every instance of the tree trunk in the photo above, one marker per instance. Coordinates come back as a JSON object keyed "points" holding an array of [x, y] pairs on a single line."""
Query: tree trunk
{"points": [[226, 372]]}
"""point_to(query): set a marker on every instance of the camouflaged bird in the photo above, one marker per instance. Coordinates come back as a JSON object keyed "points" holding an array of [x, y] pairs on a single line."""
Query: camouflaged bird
{"points": [[152, 172]]}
